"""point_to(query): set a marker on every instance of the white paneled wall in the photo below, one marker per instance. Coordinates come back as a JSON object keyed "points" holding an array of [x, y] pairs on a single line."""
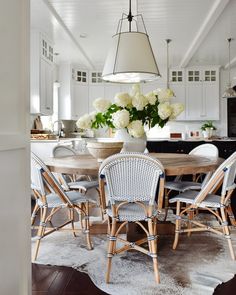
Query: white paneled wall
{"points": [[15, 267]]}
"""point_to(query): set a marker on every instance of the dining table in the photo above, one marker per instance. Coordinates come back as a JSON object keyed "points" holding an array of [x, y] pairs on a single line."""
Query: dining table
{"points": [[173, 163]]}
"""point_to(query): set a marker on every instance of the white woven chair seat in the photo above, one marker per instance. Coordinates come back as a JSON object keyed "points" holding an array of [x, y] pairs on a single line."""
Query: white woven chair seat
{"points": [[188, 197], [84, 185], [131, 212], [54, 201], [182, 186]]}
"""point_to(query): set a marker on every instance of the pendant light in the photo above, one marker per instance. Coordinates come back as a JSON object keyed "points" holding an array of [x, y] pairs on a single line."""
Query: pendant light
{"points": [[130, 59], [229, 92], [167, 66]]}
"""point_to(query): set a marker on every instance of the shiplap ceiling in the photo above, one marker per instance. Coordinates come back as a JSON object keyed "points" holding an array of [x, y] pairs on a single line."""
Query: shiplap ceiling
{"points": [[82, 29]]}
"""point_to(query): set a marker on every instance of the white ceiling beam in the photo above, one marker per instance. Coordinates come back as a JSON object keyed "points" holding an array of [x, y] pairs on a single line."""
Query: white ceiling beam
{"points": [[231, 63], [214, 13], [71, 36]]}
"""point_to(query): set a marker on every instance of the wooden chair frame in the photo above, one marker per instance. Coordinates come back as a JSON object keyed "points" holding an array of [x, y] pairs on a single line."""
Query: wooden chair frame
{"points": [[114, 228], [221, 214], [46, 215]]}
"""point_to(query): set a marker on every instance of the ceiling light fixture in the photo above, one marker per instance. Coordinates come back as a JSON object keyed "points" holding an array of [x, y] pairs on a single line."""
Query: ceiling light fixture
{"points": [[229, 92], [130, 59], [167, 66]]}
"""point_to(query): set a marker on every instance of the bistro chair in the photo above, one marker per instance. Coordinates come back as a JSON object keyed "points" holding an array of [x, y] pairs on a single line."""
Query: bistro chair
{"points": [[207, 199], [50, 197], [82, 183], [205, 150], [132, 181]]}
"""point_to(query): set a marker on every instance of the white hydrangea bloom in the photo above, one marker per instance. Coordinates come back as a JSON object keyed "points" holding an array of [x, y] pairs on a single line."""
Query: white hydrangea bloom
{"points": [[84, 122], [151, 97], [164, 110], [136, 129], [177, 108], [139, 101], [93, 115], [101, 104], [135, 90], [120, 119], [164, 94], [123, 99]]}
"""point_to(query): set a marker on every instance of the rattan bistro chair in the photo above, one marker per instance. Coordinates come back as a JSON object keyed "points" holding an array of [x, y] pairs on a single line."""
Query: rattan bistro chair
{"points": [[82, 183], [218, 205], [50, 198], [205, 150], [132, 180]]}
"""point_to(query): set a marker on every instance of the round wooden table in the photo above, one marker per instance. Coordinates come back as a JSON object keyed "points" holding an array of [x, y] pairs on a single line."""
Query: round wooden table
{"points": [[174, 164]]}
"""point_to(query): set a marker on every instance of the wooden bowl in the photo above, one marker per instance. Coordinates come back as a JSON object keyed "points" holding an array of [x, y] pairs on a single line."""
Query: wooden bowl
{"points": [[102, 150]]}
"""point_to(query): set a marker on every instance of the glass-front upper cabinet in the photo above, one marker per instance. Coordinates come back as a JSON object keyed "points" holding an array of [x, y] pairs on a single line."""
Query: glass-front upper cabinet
{"points": [[210, 75], [193, 75], [176, 75], [80, 76]]}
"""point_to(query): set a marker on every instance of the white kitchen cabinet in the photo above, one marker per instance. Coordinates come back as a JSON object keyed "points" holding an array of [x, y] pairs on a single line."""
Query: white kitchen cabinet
{"points": [[73, 93], [202, 93], [41, 75], [80, 100], [179, 91]]}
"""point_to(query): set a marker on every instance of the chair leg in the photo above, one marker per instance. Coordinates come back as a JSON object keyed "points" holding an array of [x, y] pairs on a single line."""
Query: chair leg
{"points": [[227, 232], [177, 225], [34, 213], [87, 232], [231, 215], [41, 231], [111, 248], [72, 218], [153, 249], [190, 217], [100, 203]]}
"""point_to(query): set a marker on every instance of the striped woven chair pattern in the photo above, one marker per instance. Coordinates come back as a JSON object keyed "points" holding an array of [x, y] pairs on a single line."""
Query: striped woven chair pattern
{"points": [[132, 181]]}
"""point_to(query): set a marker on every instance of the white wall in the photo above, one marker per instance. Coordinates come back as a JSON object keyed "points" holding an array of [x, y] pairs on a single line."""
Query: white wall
{"points": [[15, 268]]}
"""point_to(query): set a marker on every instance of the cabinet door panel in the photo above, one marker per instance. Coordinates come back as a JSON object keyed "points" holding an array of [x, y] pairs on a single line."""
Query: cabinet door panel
{"points": [[80, 101], [211, 101], [49, 88], [46, 88], [194, 101], [179, 91]]}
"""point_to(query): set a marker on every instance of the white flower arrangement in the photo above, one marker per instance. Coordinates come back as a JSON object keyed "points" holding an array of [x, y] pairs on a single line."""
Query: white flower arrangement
{"points": [[133, 111]]}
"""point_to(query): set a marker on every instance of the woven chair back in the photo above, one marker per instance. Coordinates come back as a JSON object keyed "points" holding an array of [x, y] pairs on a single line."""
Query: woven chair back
{"points": [[206, 150], [226, 174], [60, 151], [131, 177], [42, 177]]}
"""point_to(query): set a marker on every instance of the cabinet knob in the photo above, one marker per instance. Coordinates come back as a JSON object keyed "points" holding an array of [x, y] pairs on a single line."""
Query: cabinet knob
{"points": [[47, 108]]}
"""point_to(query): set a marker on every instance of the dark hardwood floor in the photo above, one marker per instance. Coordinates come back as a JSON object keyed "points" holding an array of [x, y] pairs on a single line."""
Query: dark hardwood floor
{"points": [[61, 280]]}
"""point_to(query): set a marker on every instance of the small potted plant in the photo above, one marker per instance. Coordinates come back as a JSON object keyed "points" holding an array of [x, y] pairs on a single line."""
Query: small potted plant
{"points": [[207, 129]]}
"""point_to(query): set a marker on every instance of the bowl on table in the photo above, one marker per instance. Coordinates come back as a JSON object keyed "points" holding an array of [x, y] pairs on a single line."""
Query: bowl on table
{"points": [[103, 149]]}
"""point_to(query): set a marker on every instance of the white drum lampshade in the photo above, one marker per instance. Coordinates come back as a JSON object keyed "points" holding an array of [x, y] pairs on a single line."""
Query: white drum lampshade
{"points": [[130, 59]]}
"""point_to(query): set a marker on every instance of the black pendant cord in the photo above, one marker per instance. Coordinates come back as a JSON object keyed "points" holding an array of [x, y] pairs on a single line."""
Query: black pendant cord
{"points": [[130, 16], [167, 62], [229, 40]]}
